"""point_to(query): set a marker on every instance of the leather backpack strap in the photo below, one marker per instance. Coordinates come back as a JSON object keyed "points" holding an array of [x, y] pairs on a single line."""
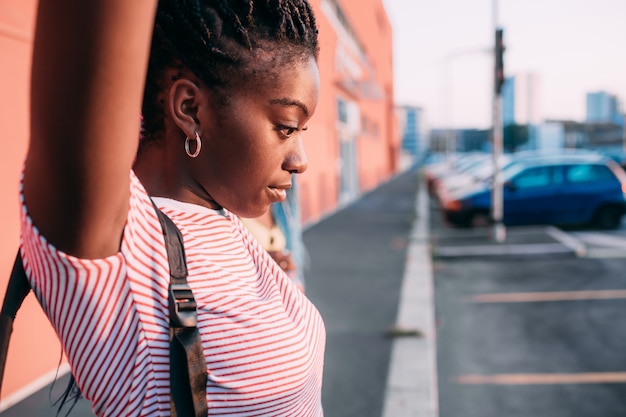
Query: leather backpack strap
{"points": [[188, 371], [17, 290]]}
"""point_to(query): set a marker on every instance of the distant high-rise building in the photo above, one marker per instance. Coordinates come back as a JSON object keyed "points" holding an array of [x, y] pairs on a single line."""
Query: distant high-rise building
{"points": [[520, 100], [603, 107], [508, 101], [411, 123]]}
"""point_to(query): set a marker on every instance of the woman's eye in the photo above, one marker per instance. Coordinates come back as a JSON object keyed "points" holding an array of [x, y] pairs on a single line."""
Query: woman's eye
{"points": [[287, 131]]}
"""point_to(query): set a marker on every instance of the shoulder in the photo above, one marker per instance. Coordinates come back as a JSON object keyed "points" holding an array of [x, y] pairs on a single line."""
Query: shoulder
{"points": [[142, 217], [141, 222]]}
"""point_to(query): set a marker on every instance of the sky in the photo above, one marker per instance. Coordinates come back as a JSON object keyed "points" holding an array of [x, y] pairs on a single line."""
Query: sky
{"points": [[444, 64]]}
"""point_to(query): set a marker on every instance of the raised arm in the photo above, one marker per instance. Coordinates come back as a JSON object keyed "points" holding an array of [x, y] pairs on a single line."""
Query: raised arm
{"points": [[89, 64]]}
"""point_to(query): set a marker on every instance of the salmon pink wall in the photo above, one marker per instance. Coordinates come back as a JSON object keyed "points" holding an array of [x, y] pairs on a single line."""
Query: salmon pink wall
{"points": [[319, 184], [379, 140], [378, 143], [34, 348]]}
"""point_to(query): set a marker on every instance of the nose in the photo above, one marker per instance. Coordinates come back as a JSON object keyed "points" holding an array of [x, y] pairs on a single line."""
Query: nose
{"points": [[296, 161]]}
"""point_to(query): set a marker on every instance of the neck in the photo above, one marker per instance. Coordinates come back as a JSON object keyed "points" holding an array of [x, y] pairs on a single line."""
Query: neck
{"points": [[160, 176]]}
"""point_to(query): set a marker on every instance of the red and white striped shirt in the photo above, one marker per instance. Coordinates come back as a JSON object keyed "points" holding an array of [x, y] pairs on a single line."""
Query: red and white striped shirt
{"points": [[262, 339]]}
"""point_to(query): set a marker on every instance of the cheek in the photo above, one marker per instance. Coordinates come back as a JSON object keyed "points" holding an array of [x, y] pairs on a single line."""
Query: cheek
{"points": [[260, 155], [240, 182]]}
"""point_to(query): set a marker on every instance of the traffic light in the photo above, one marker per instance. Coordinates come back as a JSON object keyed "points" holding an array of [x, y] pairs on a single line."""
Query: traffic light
{"points": [[499, 70]]}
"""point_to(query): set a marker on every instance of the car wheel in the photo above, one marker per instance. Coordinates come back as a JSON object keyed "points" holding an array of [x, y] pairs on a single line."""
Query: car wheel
{"points": [[608, 217], [480, 219]]}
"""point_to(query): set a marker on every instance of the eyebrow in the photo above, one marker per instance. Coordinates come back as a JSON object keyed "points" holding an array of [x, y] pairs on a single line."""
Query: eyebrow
{"points": [[290, 102]]}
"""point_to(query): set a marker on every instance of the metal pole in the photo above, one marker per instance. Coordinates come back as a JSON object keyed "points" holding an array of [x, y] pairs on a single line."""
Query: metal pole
{"points": [[497, 203]]}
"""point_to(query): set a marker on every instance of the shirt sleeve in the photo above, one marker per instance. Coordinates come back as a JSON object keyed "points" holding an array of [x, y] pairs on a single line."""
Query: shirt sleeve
{"points": [[90, 304]]}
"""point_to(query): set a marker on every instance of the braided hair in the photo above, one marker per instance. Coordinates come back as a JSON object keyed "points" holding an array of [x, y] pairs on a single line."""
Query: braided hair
{"points": [[223, 42]]}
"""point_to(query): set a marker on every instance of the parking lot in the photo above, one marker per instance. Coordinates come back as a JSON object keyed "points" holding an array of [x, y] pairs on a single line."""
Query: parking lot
{"points": [[530, 326]]}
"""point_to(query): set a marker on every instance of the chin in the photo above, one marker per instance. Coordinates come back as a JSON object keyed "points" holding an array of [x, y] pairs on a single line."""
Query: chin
{"points": [[252, 212]]}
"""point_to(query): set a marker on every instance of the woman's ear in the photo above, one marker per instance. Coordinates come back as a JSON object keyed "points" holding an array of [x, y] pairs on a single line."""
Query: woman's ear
{"points": [[184, 102]]}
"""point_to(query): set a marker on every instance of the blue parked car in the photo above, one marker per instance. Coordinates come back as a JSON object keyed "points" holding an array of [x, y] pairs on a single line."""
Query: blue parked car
{"points": [[585, 189]]}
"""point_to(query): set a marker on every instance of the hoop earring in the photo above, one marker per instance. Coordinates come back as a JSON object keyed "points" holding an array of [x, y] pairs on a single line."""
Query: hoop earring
{"points": [[198, 146]]}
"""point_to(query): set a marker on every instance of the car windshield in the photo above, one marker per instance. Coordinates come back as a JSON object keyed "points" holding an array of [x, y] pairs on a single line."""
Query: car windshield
{"points": [[512, 169], [485, 170]]}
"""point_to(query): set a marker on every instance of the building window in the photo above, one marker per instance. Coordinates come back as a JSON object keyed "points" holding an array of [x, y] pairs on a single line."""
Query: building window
{"points": [[342, 111]]}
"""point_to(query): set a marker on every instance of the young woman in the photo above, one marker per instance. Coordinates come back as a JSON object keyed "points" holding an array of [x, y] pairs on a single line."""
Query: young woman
{"points": [[229, 89]]}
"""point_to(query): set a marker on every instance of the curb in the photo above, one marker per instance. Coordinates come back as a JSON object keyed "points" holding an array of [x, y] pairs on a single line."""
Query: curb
{"points": [[411, 389]]}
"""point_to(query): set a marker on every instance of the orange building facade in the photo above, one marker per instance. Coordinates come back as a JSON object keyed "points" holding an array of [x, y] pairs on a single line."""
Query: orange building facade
{"points": [[352, 144], [353, 141]]}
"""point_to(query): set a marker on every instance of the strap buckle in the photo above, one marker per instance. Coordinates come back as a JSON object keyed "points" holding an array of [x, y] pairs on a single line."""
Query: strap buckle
{"points": [[182, 306]]}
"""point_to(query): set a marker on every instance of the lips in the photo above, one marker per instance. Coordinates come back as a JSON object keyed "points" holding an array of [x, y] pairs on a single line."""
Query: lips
{"points": [[279, 192]]}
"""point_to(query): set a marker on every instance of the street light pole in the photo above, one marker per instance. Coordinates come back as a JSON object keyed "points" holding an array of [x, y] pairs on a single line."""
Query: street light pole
{"points": [[497, 203], [497, 198]]}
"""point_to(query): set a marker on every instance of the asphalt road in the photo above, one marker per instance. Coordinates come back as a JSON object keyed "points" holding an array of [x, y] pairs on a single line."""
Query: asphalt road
{"points": [[553, 345]]}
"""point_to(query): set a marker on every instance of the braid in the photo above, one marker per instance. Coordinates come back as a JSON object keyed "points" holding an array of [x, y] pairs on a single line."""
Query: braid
{"points": [[282, 28], [238, 28], [290, 27], [220, 41]]}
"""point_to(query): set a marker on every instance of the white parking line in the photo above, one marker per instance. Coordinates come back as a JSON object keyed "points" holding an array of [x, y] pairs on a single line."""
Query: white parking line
{"points": [[533, 297], [543, 379], [603, 239], [568, 240], [504, 249]]}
